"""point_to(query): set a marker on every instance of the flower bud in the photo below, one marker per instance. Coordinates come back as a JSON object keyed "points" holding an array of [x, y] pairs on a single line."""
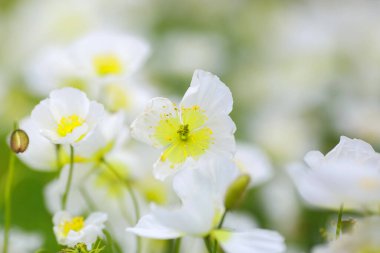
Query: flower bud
{"points": [[236, 191], [19, 141]]}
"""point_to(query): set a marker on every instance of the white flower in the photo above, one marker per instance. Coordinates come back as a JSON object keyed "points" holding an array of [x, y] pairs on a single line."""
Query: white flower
{"points": [[199, 126], [110, 56], [67, 116], [348, 175], [365, 238], [70, 230], [201, 190]]}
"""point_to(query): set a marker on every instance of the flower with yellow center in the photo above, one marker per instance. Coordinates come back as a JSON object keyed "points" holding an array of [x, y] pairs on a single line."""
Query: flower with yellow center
{"points": [[70, 230], [67, 116], [110, 55], [199, 126]]}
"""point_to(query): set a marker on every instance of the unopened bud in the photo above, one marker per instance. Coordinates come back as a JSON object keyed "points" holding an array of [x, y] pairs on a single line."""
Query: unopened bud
{"points": [[236, 191], [19, 141]]}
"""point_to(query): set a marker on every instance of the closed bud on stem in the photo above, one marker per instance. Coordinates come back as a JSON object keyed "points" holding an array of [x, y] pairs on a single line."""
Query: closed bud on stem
{"points": [[236, 190], [19, 141]]}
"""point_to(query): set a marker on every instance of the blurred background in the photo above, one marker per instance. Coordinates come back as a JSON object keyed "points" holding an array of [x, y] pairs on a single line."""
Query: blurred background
{"points": [[302, 73]]}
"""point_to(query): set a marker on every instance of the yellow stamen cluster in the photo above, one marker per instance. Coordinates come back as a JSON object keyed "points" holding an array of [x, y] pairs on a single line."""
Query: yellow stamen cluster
{"points": [[107, 64], [184, 135], [67, 124], [75, 224]]}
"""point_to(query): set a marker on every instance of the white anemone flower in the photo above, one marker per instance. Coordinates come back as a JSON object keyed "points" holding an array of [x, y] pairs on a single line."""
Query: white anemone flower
{"points": [[71, 230], [199, 126], [349, 175], [364, 238], [201, 190], [67, 116], [110, 56]]}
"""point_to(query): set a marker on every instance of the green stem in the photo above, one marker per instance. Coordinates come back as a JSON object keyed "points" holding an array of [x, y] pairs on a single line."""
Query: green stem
{"points": [[339, 222], [109, 240], [7, 199], [215, 245], [177, 245], [207, 243], [133, 197], [69, 179], [58, 158]]}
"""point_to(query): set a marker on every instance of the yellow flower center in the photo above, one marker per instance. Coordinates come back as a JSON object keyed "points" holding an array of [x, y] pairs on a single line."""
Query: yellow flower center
{"points": [[107, 64], [75, 224], [185, 135], [67, 124]]}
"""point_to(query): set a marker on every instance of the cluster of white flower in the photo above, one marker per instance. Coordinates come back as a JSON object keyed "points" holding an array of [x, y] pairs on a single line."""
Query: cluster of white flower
{"points": [[133, 172], [200, 176]]}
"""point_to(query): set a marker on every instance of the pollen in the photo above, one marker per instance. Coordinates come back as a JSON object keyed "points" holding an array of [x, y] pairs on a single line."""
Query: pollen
{"points": [[107, 64], [75, 224], [67, 124]]}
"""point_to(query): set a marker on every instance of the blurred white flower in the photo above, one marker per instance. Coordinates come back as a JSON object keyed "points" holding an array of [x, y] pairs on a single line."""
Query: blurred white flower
{"points": [[201, 189], [110, 134], [109, 56], [199, 126], [71, 230], [67, 116], [21, 241], [349, 175], [252, 161], [364, 238], [55, 67]]}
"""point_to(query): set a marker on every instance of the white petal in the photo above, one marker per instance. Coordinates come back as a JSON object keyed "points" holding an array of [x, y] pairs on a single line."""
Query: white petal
{"points": [[95, 114], [148, 226], [314, 158], [68, 101], [43, 117], [144, 126], [164, 169], [211, 94], [223, 129], [253, 161], [41, 153], [96, 219], [252, 241]]}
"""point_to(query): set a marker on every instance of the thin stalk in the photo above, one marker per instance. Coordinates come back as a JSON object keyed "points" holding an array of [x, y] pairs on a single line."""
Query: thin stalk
{"points": [[339, 222], [109, 240], [215, 244], [7, 199], [69, 179], [207, 243], [133, 197], [177, 245], [58, 158]]}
